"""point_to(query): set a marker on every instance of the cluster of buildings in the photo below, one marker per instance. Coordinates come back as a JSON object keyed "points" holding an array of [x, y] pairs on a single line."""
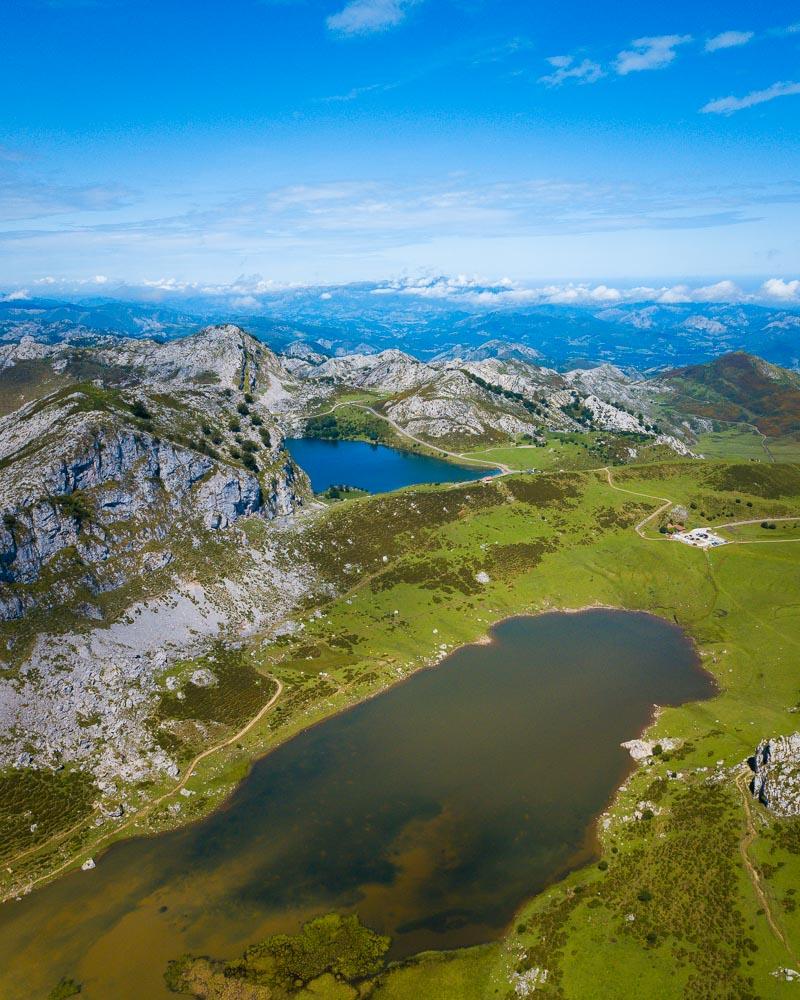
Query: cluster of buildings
{"points": [[700, 538]]}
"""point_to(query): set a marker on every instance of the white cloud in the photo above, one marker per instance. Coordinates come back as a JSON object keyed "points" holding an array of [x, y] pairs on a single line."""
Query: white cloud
{"points": [[653, 52], [722, 291], [567, 69], [784, 291], [729, 105], [250, 292], [505, 293], [728, 40], [365, 17]]}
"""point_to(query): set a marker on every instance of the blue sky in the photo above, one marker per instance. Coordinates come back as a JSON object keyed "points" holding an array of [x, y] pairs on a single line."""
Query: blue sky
{"points": [[327, 141]]}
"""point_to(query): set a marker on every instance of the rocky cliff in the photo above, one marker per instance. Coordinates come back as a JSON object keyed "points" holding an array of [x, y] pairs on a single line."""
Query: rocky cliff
{"points": [[776, 774], [99, 478]]}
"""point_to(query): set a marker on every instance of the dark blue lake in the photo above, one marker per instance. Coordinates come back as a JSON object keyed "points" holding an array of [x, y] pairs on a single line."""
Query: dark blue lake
{"points": [[372, 467]]}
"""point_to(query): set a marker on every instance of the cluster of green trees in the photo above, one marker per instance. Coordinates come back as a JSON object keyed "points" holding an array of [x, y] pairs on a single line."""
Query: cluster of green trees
{"points": [[348, 424], [535, 407], [577, 410], [340, 491]]}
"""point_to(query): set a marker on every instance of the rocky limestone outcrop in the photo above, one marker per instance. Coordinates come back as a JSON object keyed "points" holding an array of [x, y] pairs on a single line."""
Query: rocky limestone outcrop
{"points": [[95, 473], [87, 698], [776, 774], [452, 405], [391, 370]]}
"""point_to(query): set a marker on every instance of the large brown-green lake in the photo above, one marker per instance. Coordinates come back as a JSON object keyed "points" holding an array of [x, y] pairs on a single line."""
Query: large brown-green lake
{"points": [[432, 810]]}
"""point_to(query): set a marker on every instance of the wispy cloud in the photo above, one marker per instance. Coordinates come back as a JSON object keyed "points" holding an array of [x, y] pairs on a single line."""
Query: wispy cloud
{"points": [[27, 196], [565, 68], [355, 92], [728, 40], [360, 217], [366, 17], [729, 105], [654, 52]]}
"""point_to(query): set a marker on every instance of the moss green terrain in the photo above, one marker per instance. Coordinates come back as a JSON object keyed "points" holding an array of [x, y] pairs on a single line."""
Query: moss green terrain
{"points": [[675, 904]]}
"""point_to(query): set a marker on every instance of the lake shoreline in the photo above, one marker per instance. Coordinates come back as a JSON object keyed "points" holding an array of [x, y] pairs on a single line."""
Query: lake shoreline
{"points": [[585, 851], [485, 639]]}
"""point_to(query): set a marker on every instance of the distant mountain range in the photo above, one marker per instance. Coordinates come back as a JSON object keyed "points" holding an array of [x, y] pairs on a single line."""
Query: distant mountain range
{"points": [[354, 319]]}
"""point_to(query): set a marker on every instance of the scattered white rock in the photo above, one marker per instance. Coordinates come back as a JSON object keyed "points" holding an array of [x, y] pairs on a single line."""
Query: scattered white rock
{"points": [[203, 678], [525, 983], [640, 749], [787, 975]]}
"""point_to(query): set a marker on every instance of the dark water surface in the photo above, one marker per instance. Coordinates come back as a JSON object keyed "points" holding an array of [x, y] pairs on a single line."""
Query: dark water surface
{"points": [[373, 467], [432, 810]]}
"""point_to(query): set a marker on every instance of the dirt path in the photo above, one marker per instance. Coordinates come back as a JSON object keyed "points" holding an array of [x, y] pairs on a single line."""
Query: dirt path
{"points": [[87, 849], [752, 520], [639, 528], [749, 836], [764, 444], [57, 837]]}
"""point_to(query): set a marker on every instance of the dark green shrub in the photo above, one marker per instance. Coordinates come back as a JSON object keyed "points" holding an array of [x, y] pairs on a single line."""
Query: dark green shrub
{"points": [[75, 505], [138, 409]]}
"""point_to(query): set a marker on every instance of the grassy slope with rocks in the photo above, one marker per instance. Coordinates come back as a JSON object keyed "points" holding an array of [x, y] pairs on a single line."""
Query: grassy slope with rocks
{"points": [[685, 869], [563, 541]]}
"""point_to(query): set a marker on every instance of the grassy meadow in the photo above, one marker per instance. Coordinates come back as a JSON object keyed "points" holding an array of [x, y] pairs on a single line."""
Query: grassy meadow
{"points": [[670, 908]]}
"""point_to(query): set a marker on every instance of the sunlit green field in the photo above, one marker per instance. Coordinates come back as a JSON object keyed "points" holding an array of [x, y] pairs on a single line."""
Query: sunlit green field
{"points": [[744, 442], [697, 929], [569, 452], [407, 592]]}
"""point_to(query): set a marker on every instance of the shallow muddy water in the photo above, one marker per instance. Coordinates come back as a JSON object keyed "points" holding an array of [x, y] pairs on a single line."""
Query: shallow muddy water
{"points": [[432, 810]]}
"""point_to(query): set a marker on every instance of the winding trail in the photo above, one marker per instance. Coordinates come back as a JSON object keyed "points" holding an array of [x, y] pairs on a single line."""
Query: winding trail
{"points": [[639, 528], [748, 837], [756, 541], [146, 810]]}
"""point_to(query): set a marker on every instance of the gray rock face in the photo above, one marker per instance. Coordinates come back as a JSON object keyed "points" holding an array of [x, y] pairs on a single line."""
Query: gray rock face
{"points": [[88, 698], [91, 472], [776, 779], [132, 471]]}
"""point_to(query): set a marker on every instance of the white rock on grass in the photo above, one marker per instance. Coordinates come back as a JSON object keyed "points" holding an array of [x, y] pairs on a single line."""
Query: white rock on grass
{"points": [[641, 749]]}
